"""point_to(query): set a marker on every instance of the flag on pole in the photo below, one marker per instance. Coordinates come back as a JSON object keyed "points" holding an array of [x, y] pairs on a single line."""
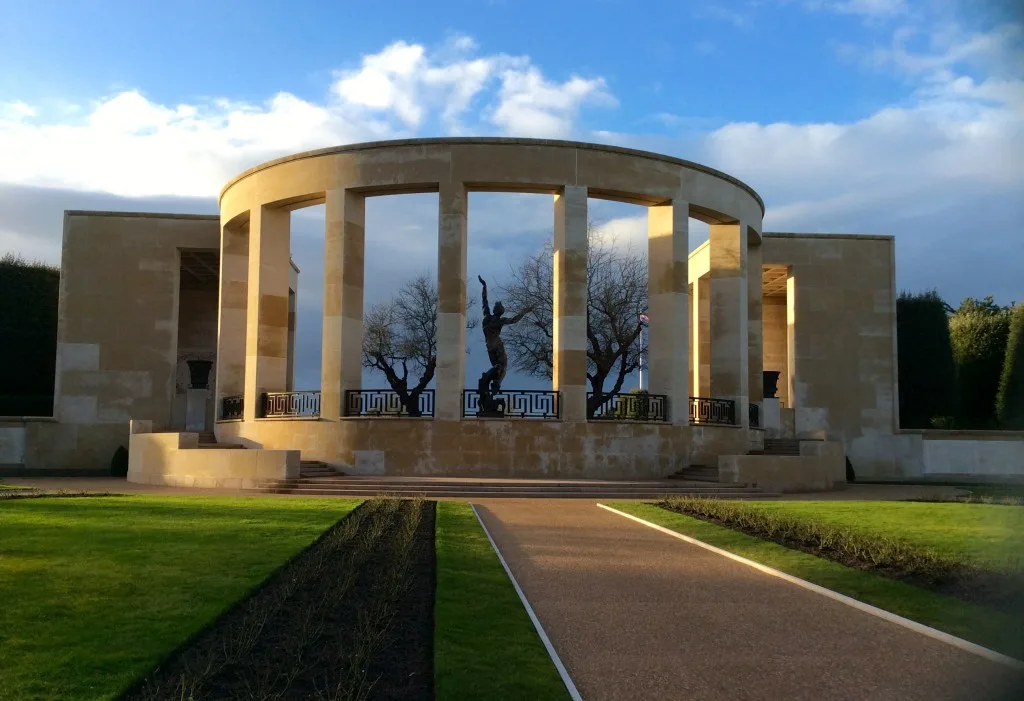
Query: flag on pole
{"points": [[644, 319]]}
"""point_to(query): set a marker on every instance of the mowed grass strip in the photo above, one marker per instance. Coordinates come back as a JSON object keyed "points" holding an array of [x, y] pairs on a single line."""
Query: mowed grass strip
{"points": [[981, 535], [97, 590], [485, 646], [995, 630]]}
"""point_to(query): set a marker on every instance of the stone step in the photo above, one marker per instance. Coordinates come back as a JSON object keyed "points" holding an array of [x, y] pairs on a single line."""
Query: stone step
{"points": [[313, 490], [348, 484], [324, 484], [697, 473]]}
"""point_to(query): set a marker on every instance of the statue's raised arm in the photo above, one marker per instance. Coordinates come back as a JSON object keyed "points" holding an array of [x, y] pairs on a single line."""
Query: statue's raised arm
{"points": [[487, 308], [518, 317]]}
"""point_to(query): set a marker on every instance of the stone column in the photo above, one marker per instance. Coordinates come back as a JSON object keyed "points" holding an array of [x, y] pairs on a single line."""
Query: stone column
{"points": [[266, 328], [290, 371], [700, 309], [704, 305], [342, 344], [452, 242], [668, 238], [730, 373], [231, 322], [793, 400], [569, 317], [755, 332]]}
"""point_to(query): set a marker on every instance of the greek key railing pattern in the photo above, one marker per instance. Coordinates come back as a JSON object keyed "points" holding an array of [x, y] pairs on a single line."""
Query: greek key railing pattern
{"points": [[386, 402], [231, 407], [521, 404], [631, 406], [720, 412], [290, 404]]}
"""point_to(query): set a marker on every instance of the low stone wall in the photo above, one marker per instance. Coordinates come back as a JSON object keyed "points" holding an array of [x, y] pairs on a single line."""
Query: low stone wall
{"points": [[479, 447], [41, 445], [175, 459], [12, 444], [708, 442], [821, 466], [971, 454]]}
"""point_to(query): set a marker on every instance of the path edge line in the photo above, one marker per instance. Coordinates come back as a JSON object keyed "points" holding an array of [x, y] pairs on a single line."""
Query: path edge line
{"points": [[934, 633], [562, 671]]}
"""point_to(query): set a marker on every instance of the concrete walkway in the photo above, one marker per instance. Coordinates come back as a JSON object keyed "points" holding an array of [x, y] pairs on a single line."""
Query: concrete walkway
{"points": [[637, 614]]}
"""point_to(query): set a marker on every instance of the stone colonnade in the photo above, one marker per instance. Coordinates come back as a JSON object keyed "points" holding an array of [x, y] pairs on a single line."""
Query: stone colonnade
{"points": [[255, 243]]}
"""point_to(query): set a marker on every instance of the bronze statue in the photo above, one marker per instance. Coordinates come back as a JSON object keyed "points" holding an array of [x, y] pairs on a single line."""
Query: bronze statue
{"points": [[490, 381]]}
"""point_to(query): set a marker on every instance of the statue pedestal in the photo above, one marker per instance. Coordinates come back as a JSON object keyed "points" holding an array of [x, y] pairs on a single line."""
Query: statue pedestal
{"points": [[195, 409], [771, 417]]}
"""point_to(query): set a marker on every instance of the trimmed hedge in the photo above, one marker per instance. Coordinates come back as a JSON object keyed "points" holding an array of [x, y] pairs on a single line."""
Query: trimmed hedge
{"points": [[979, 330], [927, 371], [28, 327], [1010, 401]]}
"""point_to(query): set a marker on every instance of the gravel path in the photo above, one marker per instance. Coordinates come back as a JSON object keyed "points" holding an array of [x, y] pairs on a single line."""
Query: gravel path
{"points": [[637, 614]]}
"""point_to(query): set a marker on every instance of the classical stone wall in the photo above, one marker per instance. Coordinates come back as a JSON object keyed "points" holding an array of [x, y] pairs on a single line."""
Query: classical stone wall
{"points": [[842, 302], [476, 448], [117, 333], [775, 332]]}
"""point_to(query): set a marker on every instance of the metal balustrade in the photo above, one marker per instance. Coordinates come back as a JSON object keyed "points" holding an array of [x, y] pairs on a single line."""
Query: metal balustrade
{"points": [[386, 402], [232, 407], [290, 404], [716, 412], [520, 404], [629, 406]]}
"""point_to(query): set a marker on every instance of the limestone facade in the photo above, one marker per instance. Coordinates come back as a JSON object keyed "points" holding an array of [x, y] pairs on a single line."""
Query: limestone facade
{"points": [[819, 309]]}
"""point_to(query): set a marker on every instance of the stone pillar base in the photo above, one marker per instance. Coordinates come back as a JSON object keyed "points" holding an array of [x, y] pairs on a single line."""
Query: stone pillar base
{"points": [[195, 409], [771, 417]]}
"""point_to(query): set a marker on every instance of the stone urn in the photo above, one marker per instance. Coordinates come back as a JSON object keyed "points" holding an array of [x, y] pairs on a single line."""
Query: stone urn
{"points": [[199, 373], [770, 383]]}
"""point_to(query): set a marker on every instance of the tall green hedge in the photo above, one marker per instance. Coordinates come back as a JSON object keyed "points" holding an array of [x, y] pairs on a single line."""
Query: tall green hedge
{"points": [[979, 330], [28, 336], [927, 371], [1010, 401]]}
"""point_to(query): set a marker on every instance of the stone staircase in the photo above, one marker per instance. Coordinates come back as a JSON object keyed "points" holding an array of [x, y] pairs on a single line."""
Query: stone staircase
{"points": [[489, 488], [308, 469], [696, 473], [779, 446], [208, 440]]}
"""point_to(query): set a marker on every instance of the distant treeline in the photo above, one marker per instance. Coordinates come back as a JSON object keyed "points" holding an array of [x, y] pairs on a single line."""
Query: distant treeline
{"points": [[28, 336], [960, 368]]}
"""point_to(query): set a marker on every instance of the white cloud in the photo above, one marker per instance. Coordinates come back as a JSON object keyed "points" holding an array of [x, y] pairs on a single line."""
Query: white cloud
{"points": [[130, 145], [956, 135], [531, 105]]}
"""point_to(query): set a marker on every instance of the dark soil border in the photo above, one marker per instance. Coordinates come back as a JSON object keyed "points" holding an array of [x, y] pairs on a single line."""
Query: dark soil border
{"points": [[995, 590], [34, 493], [349, 617]]}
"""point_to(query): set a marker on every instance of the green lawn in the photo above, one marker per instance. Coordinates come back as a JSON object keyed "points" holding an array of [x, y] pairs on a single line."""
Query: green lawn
{"points": [[485, 646], [987, 535], [94, 591], [997, 631], [5, 485]]}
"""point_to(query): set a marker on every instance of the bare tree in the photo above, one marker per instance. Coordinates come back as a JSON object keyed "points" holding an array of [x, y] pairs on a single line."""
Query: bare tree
{"points": [[400, 337], [616, 296]]}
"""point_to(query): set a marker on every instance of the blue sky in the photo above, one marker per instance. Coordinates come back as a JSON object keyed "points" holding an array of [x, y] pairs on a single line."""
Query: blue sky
{"points": [[858, 116]]}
